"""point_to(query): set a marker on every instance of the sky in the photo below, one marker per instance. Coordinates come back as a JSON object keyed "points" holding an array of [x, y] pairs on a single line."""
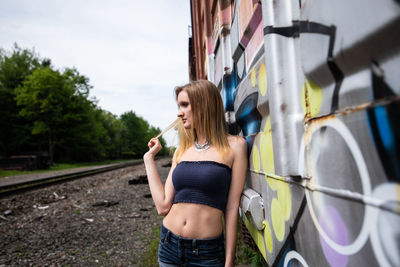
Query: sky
{"points": [[133, 52]]}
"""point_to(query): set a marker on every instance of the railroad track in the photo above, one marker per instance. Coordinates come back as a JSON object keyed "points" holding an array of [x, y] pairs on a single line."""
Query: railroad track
{"points": [[23, 183]]}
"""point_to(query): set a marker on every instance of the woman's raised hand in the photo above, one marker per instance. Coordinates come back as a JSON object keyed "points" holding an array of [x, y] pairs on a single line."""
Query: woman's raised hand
{"points": [[154, 147]]}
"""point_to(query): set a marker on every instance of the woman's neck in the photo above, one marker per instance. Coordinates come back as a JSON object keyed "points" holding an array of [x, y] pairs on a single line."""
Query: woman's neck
{"points": [[201, 139]]}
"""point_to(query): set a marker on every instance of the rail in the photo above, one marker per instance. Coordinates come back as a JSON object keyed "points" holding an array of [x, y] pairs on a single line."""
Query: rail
{"points": [[17, 185]]}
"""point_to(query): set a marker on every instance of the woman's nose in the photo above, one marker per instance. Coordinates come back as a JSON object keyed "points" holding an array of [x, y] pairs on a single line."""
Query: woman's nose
{"points": [[180, 113]]}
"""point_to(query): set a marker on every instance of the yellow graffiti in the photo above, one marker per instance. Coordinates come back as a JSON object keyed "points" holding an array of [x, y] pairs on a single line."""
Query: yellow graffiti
{"points": [[268, 236], [262, 79], [266, 149], [311, 98], [256, 159], [281, 207], [278, 222], [253, 77], [285, 199], [256, 235], [272, 183]]}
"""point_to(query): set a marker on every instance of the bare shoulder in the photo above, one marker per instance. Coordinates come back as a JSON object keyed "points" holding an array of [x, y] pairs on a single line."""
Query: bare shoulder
{"points": [[240, 160], [238, 144], [174, 158], [236, 140]]}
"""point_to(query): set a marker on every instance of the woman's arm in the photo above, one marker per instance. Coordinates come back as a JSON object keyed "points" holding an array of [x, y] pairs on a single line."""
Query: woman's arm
{"points": [[239, 169], [162, 196]]}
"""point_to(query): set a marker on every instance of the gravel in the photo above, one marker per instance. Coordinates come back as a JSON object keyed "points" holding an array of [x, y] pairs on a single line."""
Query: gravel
{"points": [[100, 220]]}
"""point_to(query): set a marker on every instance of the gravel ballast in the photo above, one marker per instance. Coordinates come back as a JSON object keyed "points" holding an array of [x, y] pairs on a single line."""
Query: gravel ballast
{"points": [[100, 220]]}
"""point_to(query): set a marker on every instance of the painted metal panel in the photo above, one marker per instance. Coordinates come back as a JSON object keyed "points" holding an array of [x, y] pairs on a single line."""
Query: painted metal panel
{"points": [[319, 107]]}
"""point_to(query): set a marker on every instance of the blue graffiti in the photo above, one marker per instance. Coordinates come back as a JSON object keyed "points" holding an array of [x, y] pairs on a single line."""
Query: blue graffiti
{"points": [[384, 127], [249, 118], [229, 91], [385, 130]]}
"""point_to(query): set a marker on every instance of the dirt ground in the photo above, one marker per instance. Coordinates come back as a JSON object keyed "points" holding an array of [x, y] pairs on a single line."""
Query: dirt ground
{"points": [[101, 220]]}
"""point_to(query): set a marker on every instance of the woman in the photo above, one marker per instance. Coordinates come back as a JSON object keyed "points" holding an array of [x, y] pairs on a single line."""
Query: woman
{"points": [[203, 188]]}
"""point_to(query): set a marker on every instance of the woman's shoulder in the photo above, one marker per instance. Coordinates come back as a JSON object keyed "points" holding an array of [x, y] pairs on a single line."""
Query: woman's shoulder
{"points": [[239, 152], [237, 143], [236, 139]]}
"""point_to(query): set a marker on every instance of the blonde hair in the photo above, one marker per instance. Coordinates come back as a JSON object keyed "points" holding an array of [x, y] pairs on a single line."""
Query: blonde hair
{"points": [[208, 117]]}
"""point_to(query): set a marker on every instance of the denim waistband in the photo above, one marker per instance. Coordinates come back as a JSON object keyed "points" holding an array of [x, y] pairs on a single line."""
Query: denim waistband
{"points": [[189, 242]]}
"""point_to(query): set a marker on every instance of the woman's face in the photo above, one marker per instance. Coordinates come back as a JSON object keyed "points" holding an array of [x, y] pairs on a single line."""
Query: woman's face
{"points": [[185, 109]]}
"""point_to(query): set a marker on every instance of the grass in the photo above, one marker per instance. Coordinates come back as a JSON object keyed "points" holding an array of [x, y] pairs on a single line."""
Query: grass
{"points": [[150, 257], [58, 167], [246, 255]]}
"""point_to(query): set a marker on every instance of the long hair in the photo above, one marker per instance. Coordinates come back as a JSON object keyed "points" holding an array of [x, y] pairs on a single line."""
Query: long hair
{"points": [[208, 117]]}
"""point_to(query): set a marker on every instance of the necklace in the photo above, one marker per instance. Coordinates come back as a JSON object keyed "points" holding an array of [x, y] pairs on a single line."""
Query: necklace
{"points": [[202, 147]]}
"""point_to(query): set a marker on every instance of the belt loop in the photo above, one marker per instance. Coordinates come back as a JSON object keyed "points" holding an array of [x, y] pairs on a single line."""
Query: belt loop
{"points": [[194, 247], [168, 236]]}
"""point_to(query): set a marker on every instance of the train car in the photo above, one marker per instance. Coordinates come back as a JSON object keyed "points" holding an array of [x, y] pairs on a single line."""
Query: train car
{"points": [[313, 87]]}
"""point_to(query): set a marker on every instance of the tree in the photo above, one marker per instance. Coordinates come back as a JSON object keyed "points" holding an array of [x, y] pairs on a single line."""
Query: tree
{"points": [[112, 126], [82, 133], [44, 107], [136, 133], [44, 98], [15, 66]]}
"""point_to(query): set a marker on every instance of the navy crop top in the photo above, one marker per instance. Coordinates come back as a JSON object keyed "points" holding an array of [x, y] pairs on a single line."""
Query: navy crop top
{"points": [[202, 182]]}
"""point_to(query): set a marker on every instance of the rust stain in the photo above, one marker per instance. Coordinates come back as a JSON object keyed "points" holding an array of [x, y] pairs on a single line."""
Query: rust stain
{"points": [[311, 122], [303, 4], [307, 102], [283, 107], [308, 132], [349, 110], [354, 109], [364, 106]]}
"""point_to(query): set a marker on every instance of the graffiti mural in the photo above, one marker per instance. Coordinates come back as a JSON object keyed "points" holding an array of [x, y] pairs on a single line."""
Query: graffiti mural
{"points": [[317, 100]]}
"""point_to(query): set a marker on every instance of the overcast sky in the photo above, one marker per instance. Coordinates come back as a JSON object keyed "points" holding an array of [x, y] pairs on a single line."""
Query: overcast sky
{"points": [[133, 52]]}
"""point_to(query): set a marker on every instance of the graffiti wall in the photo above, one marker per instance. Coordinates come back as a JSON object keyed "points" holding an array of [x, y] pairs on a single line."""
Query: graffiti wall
{"points": [[314, 88]]}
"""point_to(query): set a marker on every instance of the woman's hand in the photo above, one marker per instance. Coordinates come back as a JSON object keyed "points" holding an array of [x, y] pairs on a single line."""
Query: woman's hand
{"points": [[162, 196], [154, 147]]}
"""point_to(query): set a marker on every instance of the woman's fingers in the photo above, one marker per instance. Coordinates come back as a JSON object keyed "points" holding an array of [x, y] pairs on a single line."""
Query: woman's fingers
{"points": [[154, 142]]}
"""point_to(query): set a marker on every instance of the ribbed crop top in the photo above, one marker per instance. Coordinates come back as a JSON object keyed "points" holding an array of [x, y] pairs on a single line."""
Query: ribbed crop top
{"points": [[202, 182]]}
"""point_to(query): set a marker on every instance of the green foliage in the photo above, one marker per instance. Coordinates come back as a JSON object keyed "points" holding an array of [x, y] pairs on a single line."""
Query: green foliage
{"points": [[112, 140], [136, 133], [42, 108], [15, 66], [150, 257], [54, 101], [258, 261], [246, 254]]}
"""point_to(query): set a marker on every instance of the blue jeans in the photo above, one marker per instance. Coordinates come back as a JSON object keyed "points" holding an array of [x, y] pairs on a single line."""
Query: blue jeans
{"points": [[175, 250]]}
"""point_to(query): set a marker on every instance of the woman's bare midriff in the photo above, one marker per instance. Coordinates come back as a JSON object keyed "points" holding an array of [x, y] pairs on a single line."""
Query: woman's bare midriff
{"points": [[194, 220]]}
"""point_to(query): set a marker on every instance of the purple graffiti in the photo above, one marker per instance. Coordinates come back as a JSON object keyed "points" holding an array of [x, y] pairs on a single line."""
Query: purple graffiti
{"points": [[334, 226]]}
